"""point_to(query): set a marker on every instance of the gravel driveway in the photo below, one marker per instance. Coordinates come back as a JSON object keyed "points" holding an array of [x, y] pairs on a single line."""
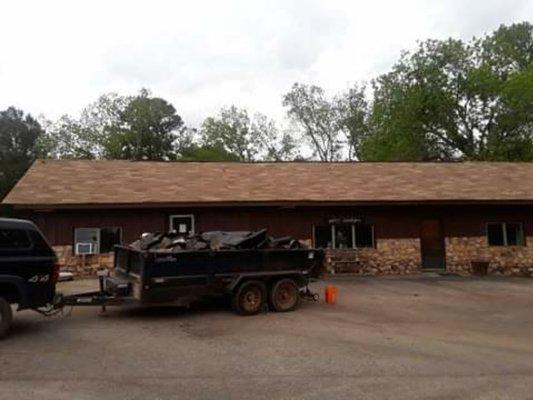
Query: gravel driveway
{"points": [[387, 338]]}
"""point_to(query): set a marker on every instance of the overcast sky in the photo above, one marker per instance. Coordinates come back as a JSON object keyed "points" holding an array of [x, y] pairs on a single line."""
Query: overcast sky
{"points": [[58, 56]]}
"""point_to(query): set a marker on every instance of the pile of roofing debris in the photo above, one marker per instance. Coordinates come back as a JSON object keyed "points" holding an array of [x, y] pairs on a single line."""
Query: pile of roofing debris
{"points": [[216, 240]]}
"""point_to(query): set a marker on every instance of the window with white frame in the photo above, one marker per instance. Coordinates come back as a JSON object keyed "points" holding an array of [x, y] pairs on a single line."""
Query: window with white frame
{"points": [[344, 236], [96, 240], [505, 234], [182, 224]]}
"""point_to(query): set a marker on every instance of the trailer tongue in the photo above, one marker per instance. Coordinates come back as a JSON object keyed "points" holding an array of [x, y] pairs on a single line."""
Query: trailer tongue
{"points": [[255, 270]]}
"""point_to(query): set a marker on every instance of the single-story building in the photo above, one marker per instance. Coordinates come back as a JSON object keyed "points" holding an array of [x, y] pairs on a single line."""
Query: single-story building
{"points": [[389, 218]]}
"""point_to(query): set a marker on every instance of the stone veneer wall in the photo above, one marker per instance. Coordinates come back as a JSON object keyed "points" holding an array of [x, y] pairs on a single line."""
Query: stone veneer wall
{"points": [[513, 260], [82, 266], [391, 256]]}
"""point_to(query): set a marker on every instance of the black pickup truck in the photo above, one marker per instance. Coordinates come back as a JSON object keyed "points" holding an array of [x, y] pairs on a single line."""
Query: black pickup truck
{"points": [[28, 269]]}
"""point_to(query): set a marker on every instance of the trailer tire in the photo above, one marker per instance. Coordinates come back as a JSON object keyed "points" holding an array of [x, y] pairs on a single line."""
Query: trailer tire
{"points": [[6, 317], [249, 298], [284, 295]]}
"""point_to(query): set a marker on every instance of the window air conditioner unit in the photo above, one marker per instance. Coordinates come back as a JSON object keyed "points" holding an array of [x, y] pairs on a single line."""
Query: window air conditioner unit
{"points": [[85, 248]]}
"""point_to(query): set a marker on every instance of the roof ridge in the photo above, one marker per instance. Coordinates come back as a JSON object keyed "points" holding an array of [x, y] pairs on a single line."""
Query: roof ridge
{"points": [[297, 162]]}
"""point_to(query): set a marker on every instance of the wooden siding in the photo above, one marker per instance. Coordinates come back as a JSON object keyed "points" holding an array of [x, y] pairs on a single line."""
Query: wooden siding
{"points": [[390, 222]]}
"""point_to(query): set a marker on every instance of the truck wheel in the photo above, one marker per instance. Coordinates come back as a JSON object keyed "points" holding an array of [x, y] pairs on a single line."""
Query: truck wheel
{"points": [[284, 295], [6, 317], [249, 298]]}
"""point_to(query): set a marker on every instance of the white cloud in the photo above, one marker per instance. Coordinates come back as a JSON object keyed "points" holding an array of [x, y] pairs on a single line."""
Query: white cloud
{"points": [[58, 56]]}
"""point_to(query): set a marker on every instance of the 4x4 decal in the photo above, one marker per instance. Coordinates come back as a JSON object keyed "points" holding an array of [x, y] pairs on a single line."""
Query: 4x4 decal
{"points": [[39, 279]]}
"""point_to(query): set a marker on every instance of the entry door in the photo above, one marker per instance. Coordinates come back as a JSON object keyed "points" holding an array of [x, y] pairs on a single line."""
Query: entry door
{"points": [[432, 243]]}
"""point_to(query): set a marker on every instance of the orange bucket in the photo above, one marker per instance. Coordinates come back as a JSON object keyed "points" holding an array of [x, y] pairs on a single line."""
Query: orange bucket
{"points": [[331, 294]]}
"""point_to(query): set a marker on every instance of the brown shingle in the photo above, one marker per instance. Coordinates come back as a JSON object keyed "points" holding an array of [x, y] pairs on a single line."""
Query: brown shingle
{"points": [[53, 183]]}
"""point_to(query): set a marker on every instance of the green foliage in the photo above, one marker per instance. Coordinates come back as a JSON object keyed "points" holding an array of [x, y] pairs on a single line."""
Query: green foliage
{"points": [[86, 137], [353, 119], [333, 127], [447, 100], [248, 139], [19, 136], [456, 100], [508, 50], [137, 127], [147, 129], [207, 153], [317, 117]]}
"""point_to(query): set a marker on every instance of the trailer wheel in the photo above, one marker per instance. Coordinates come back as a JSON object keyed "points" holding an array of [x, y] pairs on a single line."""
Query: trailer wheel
{"points": [[284, 295], [249, 298], [6, 317]]}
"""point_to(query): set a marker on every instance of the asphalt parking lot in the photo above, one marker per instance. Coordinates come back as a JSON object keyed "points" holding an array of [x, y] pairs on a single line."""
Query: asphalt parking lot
{"points": [[387, 338]]}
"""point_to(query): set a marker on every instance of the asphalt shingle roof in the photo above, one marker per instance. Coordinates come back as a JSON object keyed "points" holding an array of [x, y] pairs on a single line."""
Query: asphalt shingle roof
{"points": [[67, 182]]}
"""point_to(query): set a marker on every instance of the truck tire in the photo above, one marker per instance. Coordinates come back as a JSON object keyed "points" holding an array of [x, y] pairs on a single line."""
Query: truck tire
{"points": [[284, 295], [249, 298], [6, 317]]}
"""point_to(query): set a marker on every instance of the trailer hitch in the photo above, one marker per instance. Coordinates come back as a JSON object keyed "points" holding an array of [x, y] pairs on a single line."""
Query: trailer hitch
{"points": [[50, 310], [308, 295]]}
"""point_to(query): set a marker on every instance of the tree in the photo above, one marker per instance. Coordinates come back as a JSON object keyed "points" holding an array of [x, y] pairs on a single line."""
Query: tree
{"points": [[507, 66], [272, 145], [317, 117], [456, 100], [138, 127], [197, 152], [19, 134], [353, 115], [148, 129], [333, 127], [68, 138], [249, 139], [86, 137]]}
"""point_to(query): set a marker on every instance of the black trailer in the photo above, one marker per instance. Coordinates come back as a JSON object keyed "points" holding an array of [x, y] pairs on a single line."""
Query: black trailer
{"points": [[254, 277]]}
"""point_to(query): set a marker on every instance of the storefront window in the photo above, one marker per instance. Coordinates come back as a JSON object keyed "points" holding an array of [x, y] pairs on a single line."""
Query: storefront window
{"points": [[344, 236]]}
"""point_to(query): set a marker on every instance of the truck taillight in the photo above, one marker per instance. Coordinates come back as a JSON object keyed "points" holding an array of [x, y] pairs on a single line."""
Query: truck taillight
{"points": [[55, 273]]}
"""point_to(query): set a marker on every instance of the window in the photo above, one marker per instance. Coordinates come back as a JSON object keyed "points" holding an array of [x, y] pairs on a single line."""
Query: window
{"points": [[96, 240], [14, 239], [344, 236], [505, 234], [183, 224]]}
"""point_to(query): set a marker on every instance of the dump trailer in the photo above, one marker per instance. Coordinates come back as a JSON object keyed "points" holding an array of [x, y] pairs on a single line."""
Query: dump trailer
{"points": [[255, 272]]}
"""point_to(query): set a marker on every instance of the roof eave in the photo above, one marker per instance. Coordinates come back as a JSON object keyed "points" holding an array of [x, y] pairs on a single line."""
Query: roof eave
{"points": [[280, 203]]}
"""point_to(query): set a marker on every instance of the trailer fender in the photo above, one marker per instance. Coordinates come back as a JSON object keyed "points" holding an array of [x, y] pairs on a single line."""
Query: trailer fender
{"points": [[234, 284], [16, 284]]}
